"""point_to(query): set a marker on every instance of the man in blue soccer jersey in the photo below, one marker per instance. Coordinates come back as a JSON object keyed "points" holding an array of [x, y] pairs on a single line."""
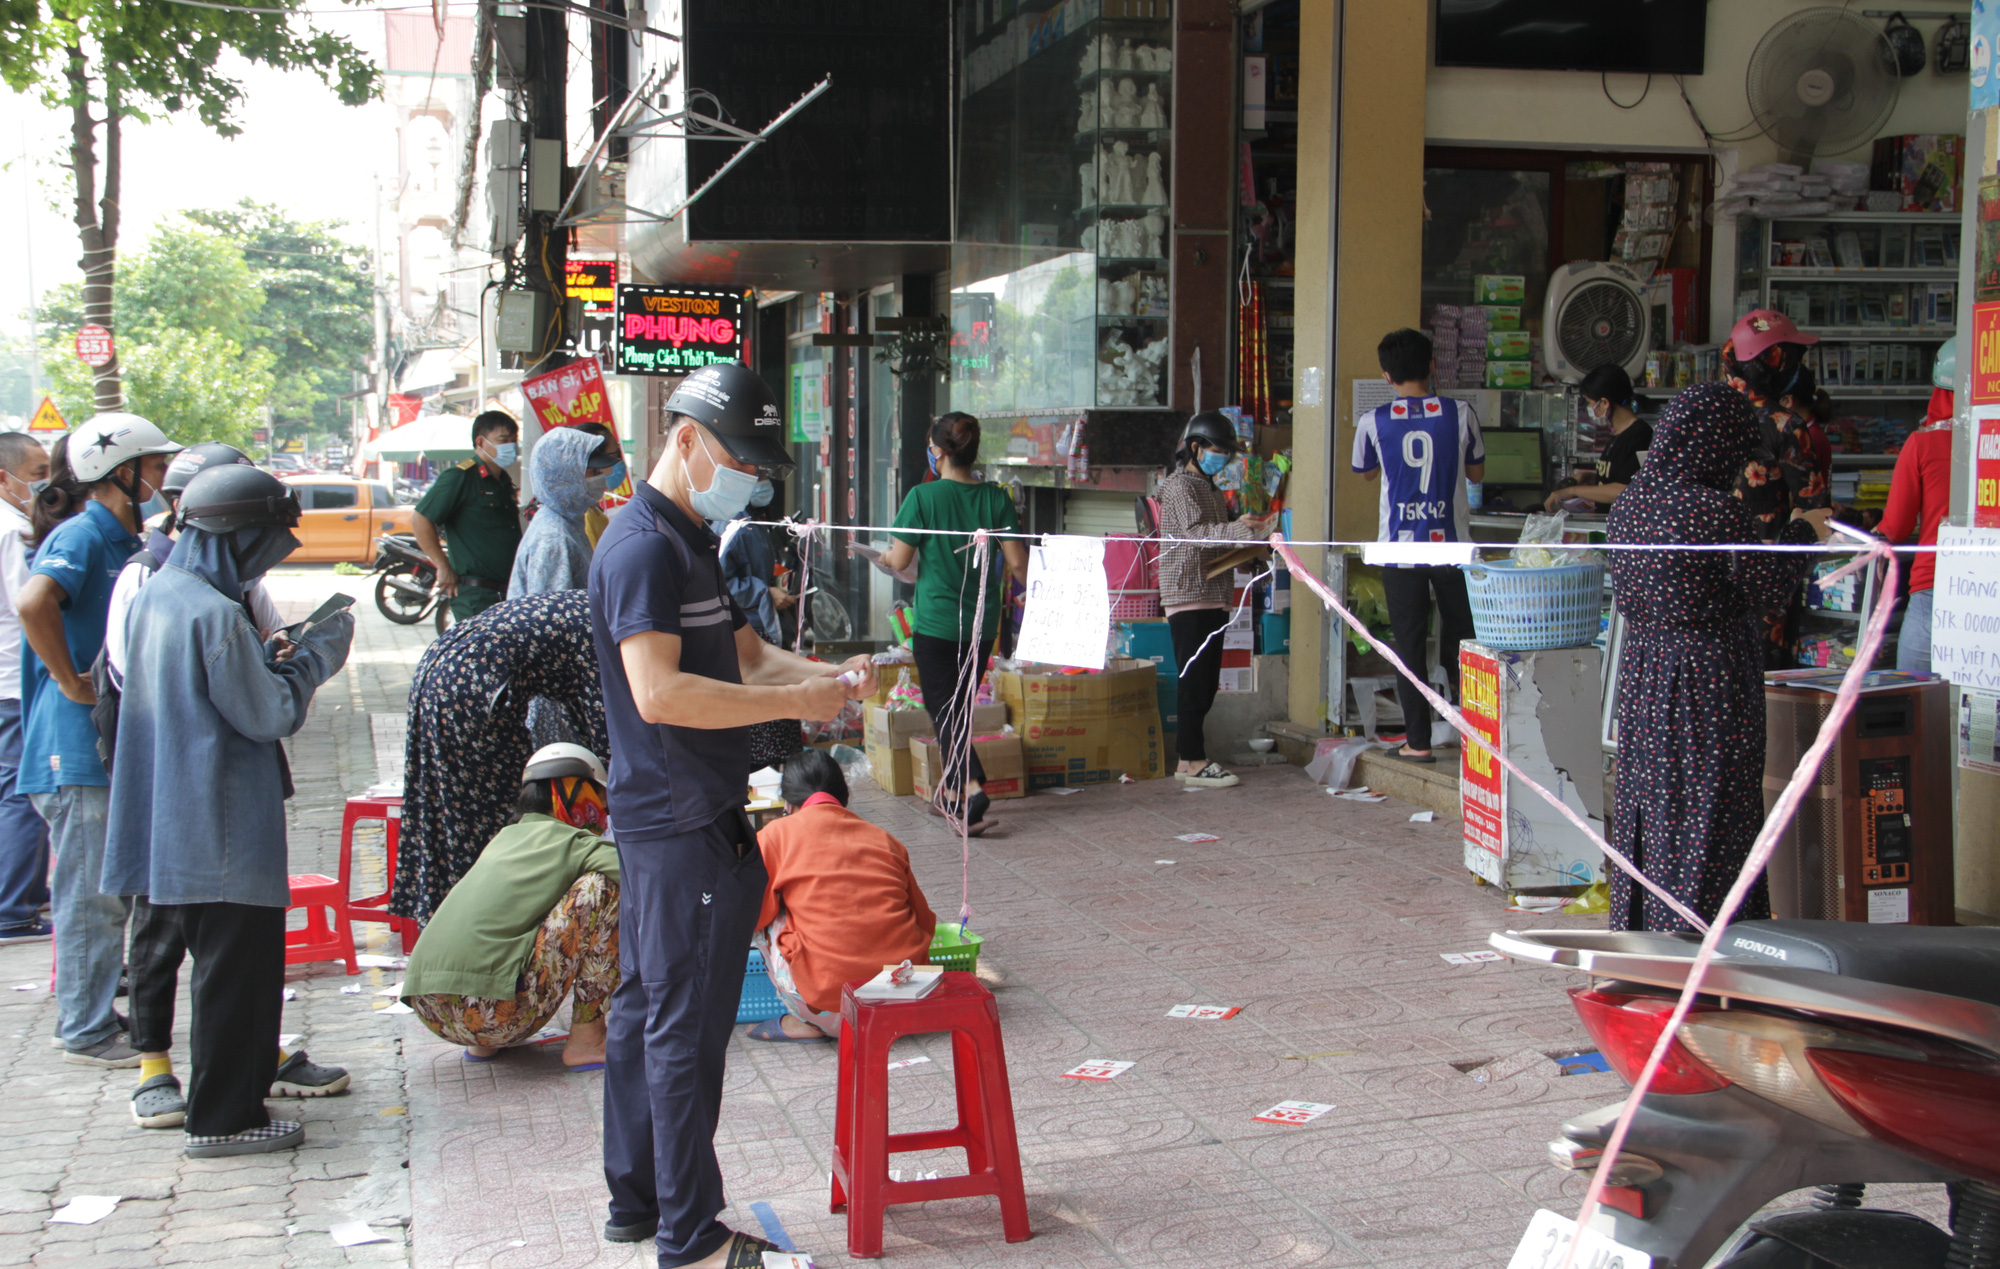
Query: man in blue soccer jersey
{"points": [[1423, 448]]}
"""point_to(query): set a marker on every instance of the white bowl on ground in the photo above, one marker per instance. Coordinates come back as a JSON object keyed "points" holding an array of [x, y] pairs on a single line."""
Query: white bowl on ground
{"points": [[1263, 744]]}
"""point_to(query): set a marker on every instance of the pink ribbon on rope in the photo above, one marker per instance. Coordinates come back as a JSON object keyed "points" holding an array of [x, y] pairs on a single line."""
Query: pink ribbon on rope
{"points": [[1766, 842], [967, 688], [802, 530]]}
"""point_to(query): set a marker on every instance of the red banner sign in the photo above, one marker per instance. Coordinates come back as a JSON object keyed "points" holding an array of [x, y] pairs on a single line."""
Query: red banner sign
{"points": [[1986, 475], [570, 395], [94, 346], [1986, 354], [1480, 792]]}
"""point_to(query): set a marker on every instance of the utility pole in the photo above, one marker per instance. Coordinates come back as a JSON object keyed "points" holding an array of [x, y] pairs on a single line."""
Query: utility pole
{"points": [[547, 247]]}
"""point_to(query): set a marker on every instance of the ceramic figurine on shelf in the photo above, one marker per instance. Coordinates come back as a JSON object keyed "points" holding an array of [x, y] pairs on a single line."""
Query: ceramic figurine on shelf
{"points": [[1105, 295], [1152, 114], [1127, 113], [1145, 373], [1107, 103], [1125, 55], [1153, 225], [1155, 194], [1163, 57], [1086, 112], [1086, 183], [1119, 175], [1088, 238], [1153, 295], [1124, 299]]}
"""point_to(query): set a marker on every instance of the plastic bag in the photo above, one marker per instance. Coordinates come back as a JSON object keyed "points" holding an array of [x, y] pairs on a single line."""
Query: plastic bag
{"points": [[1595, 901], [1540, 528]]}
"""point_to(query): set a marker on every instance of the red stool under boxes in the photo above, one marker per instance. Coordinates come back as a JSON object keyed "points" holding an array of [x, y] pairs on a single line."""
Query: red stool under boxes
{"points": [[985, 1131]]}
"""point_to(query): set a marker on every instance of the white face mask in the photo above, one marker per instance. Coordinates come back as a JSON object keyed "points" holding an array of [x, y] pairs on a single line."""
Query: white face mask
{"points": [[728, 491]]}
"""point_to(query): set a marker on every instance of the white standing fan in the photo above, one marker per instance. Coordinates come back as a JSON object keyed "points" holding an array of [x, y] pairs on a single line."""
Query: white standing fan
{"points": [[1594, 316]]}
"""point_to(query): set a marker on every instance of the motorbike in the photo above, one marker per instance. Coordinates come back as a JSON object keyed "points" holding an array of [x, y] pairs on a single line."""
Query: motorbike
{"points": [[406, 591], [1818, 1054]]}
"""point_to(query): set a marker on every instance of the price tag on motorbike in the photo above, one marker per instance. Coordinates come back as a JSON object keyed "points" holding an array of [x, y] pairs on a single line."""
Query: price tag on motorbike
{"points": [[1548, 1239], [1293, 1113]]}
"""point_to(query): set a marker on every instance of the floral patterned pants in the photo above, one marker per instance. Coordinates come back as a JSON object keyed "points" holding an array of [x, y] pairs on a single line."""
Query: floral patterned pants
{"points": [[766, 941], [576, 948]]}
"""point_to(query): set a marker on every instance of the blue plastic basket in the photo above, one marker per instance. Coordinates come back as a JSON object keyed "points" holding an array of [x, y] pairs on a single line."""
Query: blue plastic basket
{"points": [[1523, 609], [760, 998]]}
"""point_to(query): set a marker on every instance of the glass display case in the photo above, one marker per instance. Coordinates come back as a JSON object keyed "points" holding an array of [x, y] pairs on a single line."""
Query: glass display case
{"points": [[1060, 279]]}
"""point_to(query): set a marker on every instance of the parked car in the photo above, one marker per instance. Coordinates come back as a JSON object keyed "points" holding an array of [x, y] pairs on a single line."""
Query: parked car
{"points": [[344, 519]]}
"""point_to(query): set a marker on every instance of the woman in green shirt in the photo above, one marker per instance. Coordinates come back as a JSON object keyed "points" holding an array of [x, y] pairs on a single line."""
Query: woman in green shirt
{"points": [[946, 647], [533, 920]]}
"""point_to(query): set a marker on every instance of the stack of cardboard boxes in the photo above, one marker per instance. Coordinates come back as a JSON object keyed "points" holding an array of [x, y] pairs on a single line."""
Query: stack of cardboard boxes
{"points": [[1086, 728], [889, 733]]}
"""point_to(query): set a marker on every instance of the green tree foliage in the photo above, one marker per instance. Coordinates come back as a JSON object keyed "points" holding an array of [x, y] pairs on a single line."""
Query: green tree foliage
{"points": [[106, 61], [317, 317], [197, 385], [189, 278]]}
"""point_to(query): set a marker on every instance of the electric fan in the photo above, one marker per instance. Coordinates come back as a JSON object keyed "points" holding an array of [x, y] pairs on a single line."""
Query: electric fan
{"points": [[1822, 81], [1594, 317]]}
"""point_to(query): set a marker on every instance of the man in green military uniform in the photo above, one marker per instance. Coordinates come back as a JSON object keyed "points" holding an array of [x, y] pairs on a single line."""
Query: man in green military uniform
{"points": [[473, 502]]}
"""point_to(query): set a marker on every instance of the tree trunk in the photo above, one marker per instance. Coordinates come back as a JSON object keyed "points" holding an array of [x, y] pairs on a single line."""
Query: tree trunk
{"points": [[96, 219]]}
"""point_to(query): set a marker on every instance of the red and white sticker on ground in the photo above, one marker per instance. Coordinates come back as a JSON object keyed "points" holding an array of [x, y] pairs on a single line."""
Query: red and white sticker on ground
{"points": [[1293, 1113], [1205, 1013], [1099, 1069]]}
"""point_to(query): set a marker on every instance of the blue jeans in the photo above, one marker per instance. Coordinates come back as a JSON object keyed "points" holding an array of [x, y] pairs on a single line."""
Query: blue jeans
{"points": [[24, 837], [1913, 640], [90, 925]]}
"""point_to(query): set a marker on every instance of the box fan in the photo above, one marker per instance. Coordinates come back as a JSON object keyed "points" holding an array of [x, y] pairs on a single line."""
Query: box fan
{"points": [[1594, 316]]}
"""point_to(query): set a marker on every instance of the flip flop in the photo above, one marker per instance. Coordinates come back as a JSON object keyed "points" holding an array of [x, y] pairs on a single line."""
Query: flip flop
{"points": [[584, 1066], [772, 1029], [470, 1056], [1400, 756]]}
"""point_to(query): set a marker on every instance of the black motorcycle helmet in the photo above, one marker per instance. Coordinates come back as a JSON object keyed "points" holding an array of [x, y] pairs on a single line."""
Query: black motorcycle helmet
{"points": [[1213, 430], [739, 409], [193, 461], [232, 496]]}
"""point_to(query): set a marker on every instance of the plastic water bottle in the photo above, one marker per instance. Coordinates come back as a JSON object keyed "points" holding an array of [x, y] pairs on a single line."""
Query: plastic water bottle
{"points": [[1475, 495]]}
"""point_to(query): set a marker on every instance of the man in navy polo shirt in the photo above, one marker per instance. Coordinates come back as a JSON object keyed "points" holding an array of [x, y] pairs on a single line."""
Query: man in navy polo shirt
{"points": [[684, 678]]}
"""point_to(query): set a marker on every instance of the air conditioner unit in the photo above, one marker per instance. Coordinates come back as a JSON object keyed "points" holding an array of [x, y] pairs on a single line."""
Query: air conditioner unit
{"points": [[1595, 316]]}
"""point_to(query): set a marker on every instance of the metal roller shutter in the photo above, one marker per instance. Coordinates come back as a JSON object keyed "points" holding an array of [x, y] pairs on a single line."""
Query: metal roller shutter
{"points": [[1097, 512]]}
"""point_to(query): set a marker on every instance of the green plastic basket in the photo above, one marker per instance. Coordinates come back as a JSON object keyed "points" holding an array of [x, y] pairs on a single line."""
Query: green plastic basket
{"points": [[956, 948]]}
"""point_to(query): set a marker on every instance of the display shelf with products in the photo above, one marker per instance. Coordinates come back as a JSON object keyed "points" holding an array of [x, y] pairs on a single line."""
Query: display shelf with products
{"points": [[1062, 278]]}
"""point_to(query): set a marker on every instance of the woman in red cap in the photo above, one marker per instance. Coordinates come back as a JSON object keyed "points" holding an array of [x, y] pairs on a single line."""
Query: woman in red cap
{"points": [[1765, 361]]}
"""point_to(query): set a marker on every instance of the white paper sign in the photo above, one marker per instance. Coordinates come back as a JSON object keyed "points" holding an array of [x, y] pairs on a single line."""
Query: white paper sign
{"points": [[1965, 609], [1205, 1013], [787, 1260], [1889, 907], [354, 1234], [1099, 1069], [1424, 553], [85, 1209], [1068, 616], [1293, 1113]]}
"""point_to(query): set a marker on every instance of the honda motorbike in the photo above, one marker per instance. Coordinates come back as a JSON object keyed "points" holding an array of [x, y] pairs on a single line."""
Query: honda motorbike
{"points": [[1818, 1054], [406, 591]]}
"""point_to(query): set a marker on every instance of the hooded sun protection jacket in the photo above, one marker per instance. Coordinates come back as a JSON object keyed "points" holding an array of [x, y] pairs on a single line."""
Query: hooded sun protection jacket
{"points": [[555, 552], [198, 809]]}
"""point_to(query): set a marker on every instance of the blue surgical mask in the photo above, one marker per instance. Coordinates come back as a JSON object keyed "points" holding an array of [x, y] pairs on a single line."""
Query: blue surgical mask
{"points": [[762, 494], [728, 491], [616, 476], [505, 454], [930, 456], [1212, 461], [35, 488]]}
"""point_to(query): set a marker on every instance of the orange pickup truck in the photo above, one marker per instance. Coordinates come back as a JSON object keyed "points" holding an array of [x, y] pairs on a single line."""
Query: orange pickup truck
{"points": [[342, 518]]}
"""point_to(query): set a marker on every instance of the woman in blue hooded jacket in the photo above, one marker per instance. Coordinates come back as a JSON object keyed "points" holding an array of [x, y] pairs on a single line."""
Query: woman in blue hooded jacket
{"points": [[555, 552], [197, 818]]}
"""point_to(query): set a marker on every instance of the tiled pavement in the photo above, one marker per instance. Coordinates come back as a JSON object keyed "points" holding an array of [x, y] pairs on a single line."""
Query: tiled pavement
{"points": [[67, 1130], [1324, 919]]}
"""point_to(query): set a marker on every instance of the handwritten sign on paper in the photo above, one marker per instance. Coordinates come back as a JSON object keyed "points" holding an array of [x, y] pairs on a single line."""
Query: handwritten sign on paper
{"points": [[1965, 613], [1293, 1113], [1068, 614], [1099, 1069]]}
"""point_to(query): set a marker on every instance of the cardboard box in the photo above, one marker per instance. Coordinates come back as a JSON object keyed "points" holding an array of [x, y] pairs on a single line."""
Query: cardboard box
{"points": [[1276, 630], [1503, 316], [1510, 374], [1086, 728], [1147, 641], [891, 769], [895, 728], [1499, 288], [1000, 756], [886, 678], [1510, 345]]}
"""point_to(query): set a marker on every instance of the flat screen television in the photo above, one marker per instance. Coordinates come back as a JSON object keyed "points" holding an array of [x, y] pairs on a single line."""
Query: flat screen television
{"points": [[1662, 37], [1513, 458]]}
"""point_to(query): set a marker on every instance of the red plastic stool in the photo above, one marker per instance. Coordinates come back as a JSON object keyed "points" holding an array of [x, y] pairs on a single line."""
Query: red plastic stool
{"points": [[321, 939], [862, 1142], [374, 907]]}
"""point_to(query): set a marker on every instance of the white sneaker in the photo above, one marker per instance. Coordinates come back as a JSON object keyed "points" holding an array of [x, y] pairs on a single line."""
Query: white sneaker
{"points": [[1212, 776]]}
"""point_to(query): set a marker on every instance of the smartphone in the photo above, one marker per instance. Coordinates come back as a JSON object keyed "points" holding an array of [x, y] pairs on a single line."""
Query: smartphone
{"points": [[333, 604]]}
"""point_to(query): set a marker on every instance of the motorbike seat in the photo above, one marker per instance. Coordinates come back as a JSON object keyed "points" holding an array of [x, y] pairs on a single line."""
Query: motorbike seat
{"points": [[1962, 961]]}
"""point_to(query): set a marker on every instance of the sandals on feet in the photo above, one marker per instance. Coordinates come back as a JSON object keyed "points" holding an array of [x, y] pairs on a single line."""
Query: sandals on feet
{"points": [[1212, 776], [773, 1029]]}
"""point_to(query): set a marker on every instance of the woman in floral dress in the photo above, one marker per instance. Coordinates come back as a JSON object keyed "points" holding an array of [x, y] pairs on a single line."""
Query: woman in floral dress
{"points": [[468, 735], [1691, 682]]}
